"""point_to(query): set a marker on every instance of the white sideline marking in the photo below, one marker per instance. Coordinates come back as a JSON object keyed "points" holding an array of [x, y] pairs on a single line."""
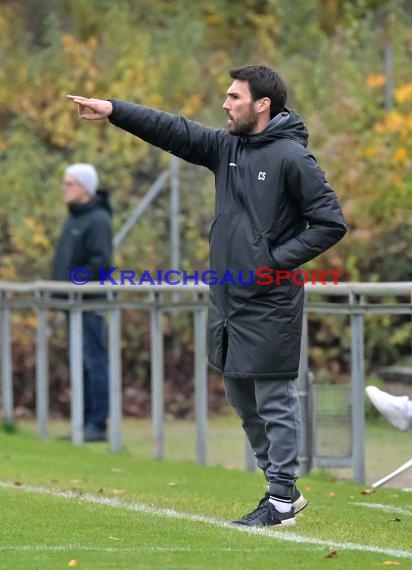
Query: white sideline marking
{"points": [[79, 547], [56, 548], [385, 508], [170, 513]]}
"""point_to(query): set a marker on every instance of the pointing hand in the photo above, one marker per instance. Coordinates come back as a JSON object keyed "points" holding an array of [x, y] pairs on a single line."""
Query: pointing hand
{"points": [[91, 109]]}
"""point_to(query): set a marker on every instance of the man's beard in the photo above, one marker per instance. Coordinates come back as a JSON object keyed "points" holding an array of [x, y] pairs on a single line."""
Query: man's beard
{"points": [[243, 126]]}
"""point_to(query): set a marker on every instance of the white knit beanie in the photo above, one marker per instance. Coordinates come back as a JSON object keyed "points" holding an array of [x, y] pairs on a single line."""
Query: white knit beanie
{"points": [[86, 175]]}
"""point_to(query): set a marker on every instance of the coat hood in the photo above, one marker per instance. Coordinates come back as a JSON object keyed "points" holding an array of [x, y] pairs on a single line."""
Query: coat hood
{"points": [[286, 125], [100, 200], [103, 199]]}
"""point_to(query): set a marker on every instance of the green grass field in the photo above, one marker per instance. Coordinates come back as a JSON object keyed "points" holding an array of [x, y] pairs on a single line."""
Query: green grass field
{"points": [[63, 505]]}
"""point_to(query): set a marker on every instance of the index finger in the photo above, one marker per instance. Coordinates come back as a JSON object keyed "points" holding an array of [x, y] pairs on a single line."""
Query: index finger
{"points": [[77, 98]]}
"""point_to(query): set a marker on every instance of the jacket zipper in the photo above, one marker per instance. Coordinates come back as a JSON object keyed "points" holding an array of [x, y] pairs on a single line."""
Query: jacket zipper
{"points": [[225, 343]]}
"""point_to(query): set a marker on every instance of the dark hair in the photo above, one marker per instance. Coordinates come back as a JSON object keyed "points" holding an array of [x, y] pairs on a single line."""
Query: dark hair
{"points": [[263, 82]]}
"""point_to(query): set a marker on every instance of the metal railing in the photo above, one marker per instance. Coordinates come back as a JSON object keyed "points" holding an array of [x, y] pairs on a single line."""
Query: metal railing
{"points": [[157, 299]]}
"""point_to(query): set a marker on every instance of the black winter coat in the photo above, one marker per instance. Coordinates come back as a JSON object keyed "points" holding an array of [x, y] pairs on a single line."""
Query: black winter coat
{"points": [[86, 239], [274, 209]]}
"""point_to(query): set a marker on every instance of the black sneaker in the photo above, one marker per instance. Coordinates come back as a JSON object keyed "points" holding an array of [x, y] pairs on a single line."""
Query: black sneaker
{"points": [[94, 433], [266, 514], [298, 501]]}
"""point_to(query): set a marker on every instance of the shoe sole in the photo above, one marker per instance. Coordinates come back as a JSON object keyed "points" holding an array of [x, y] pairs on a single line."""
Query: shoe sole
{"points": [[290, 522], [299, 504]]}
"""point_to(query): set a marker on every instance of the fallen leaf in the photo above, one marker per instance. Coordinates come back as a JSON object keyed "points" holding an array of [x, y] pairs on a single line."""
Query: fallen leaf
{"points": [[367, 491], [72, 563], [331, 494], [332, 554], [118, 491], [391, 563], [117, 470]]}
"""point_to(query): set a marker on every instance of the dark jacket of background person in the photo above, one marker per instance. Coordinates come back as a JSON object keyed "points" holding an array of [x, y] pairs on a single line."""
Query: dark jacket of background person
{"points": [[273, 208], [86, 239]]}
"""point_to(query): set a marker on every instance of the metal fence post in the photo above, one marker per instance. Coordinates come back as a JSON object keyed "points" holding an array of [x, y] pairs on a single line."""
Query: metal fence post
{"points": [[42, 370], [147, 199], [157, 376], [175, 214], [200, 317], [358, 389], [305, 387], [76, 373], [6, 362], [115, 380]]}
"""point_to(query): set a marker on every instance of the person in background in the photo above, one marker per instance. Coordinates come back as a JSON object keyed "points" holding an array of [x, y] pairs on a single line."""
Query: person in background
{"points": [[396, 409], [86, 242], [274, 210]]}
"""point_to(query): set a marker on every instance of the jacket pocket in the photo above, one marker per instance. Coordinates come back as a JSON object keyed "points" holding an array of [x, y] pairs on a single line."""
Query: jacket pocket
{"points": [[261, 245]]}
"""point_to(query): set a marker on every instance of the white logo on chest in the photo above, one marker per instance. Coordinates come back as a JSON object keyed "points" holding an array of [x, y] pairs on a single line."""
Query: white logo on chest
{"points": [[261, 175]]}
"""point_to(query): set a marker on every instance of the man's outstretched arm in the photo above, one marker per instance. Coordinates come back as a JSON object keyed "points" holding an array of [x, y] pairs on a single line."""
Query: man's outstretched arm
{"points": [[182, 137]]}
